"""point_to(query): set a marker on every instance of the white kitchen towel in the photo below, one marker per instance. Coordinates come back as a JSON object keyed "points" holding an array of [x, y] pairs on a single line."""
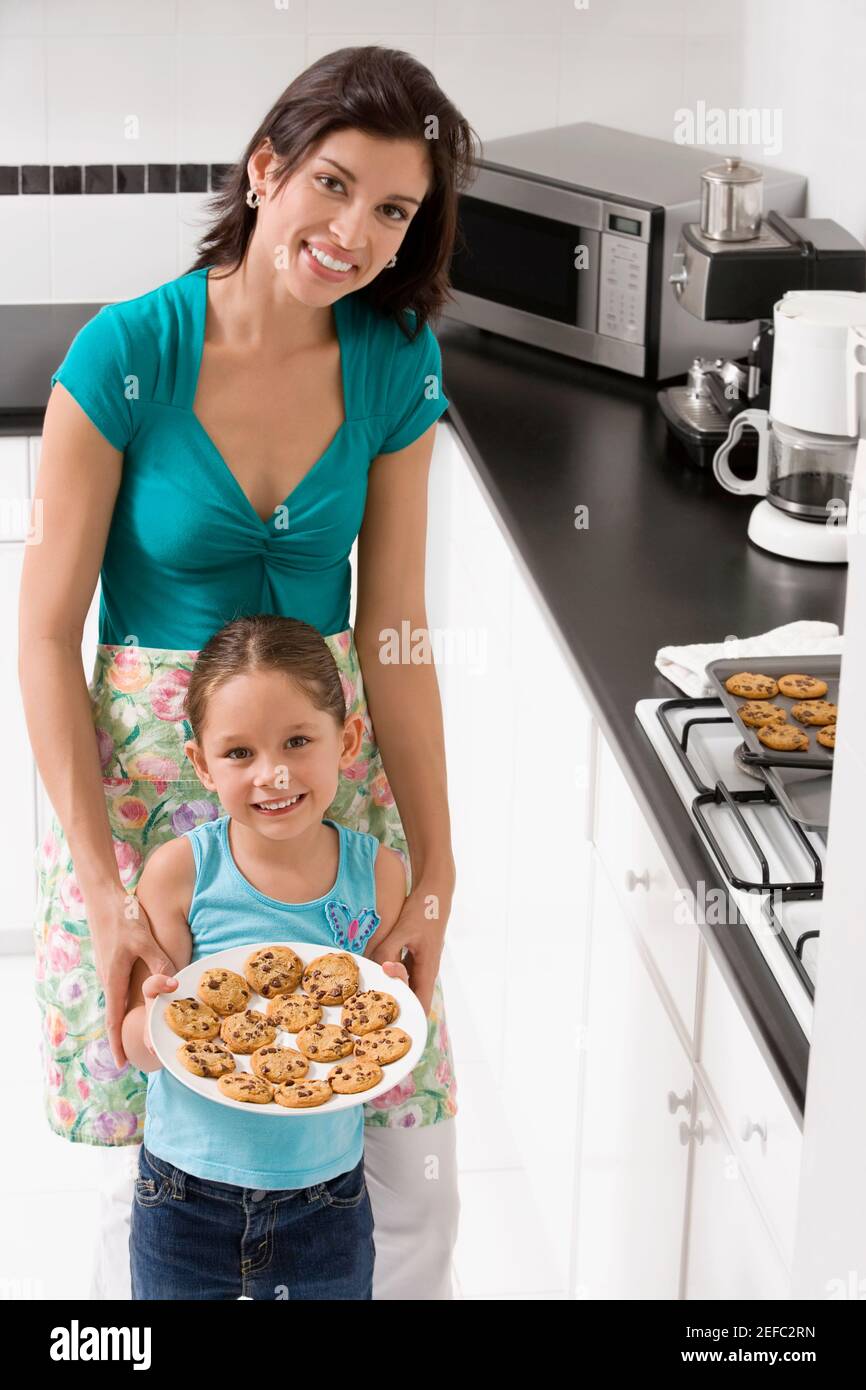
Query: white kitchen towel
{"points": [[686, 666]]}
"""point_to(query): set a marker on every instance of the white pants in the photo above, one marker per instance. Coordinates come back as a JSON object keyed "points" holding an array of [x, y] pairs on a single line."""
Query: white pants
{"points": [[412, 1182]]}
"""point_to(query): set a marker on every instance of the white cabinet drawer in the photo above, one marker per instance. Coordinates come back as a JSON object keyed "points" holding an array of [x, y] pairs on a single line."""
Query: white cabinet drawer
{"points": [[747, 1093], [14, 487], [645, 885]]}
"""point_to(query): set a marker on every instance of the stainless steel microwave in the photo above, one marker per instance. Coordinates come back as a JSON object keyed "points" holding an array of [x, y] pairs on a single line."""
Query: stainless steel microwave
{"points": [[566, 241]]}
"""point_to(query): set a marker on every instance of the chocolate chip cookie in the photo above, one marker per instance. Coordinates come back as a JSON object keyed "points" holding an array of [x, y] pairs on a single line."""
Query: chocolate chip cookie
{"points": [[273, 970], [385, 1045], [332, 978], [278, 1064], [242, 1086], [190, 1018], [292, 1012], [247, 1032], [224, 991], [300, 1095], [827, 737], [206, 1058], [815, 712], [369, 1010], [802, 687], [751, 686], [353, 1076], [325, 1042], [783, 738], [755, 713]]}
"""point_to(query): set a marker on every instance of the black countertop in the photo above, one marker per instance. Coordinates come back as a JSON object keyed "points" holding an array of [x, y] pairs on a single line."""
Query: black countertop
{"points": [[664, 559]]}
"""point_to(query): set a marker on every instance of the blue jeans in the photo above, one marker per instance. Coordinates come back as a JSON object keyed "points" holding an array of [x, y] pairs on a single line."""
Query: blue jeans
{"points": [[193, 1238]]}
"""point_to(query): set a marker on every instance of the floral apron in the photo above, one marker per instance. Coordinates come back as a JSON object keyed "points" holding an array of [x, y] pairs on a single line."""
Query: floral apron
{"points": [[152, 794]]}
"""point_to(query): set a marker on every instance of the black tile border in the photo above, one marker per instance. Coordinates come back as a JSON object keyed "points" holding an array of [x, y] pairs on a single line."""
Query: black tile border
{"points": [[19, 179]]}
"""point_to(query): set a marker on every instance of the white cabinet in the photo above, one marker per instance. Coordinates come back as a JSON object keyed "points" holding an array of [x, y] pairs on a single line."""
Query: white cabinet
{"points": [[646, 887], [766, 1138], [517, 744], [633, 1163], [730, 1253]]}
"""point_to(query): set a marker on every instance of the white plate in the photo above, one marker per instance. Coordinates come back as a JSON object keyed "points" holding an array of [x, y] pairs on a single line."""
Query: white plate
{"points": [[411, 1019]]}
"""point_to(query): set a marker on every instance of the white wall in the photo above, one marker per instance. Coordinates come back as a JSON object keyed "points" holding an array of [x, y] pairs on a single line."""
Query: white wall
{"points": [[199, 75]]}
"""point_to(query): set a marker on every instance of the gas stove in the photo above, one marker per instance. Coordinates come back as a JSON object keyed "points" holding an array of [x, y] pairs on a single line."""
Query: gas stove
{"points": [[771, 864]]}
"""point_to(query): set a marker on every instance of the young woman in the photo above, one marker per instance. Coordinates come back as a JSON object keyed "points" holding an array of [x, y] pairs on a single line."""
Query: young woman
{"points": [[212, 449]]}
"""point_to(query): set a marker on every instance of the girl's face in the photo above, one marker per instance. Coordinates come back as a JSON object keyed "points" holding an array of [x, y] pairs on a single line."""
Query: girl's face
{"points": [[264, 743], [354, 198]]}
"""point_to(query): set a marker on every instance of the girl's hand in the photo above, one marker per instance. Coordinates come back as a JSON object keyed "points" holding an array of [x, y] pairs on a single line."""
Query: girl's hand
{"points": [[423, 936], [153, 986], [396, 969]]}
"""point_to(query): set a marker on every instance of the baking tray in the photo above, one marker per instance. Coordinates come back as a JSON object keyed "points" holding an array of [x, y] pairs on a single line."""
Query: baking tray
{"points": [[827, 667], [804, 792]]}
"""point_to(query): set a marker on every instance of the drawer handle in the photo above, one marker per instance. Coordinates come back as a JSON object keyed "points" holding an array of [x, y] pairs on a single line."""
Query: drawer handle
{"points": [[676, 1102], [632, 880], [688, 1132], [749, 1128]]}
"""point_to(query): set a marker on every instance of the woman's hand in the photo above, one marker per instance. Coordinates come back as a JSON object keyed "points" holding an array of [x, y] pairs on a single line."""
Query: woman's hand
{"points": [[121, 933], [423, 935], [153, 987]]}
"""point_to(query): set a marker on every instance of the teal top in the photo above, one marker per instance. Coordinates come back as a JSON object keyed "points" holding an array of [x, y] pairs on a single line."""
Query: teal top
{"points": [[186, 551], [228, 1144]]}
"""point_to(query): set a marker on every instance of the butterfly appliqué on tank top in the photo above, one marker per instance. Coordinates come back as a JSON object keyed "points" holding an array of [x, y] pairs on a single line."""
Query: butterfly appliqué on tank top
{"points": [[351, 931]]}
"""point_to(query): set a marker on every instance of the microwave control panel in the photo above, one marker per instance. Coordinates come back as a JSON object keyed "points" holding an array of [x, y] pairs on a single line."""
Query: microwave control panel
{"points": [[622, 287]]}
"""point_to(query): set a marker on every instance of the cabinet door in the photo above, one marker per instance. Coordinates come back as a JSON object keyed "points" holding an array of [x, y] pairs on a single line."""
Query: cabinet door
{"points": [[730, 1251], [547, 873], [632, 1178], [645, 885]]}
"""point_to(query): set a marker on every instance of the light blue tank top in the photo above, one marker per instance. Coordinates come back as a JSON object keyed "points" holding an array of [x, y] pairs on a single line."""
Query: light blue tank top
{"points": [[218, 1141]]}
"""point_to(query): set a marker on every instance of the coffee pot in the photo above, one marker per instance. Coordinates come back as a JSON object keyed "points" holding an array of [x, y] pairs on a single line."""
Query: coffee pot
{"points": [[806, 442]]}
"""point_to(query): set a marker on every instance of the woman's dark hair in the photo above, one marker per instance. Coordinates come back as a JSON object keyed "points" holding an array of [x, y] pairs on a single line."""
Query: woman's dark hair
{"points": [[384, 92], [266, 642]]}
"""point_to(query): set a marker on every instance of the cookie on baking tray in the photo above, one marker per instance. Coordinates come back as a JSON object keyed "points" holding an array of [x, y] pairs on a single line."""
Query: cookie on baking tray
{"points": [[300, 1095], [292, 1012], [332, 978], [273, 970], [755, 713], [278, 1064], [247, 1032], [325, 1042], [815, 712], [224, 991], [751, 686], [827, 737], [783, 738], [799, 687], [349, 1077], [371, 1009], [208, 1057], [190, 1018], [385, 1045], [242, 1086]]}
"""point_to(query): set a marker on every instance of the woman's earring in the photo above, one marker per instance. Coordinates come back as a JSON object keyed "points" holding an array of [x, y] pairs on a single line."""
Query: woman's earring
{"points": [[253, 198], [390, 264]]}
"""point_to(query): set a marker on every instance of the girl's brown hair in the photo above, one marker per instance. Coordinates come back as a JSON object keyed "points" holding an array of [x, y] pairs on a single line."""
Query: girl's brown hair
{"points": [[266, 642], [384, 92]]}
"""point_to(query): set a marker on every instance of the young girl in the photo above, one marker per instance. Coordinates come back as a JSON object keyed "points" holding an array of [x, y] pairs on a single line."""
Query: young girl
{"points": [[230, 1204]]}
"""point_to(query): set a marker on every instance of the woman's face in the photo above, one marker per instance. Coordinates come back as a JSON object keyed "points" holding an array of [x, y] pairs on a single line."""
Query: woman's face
{"points": [[265, 742], [353, 198]]}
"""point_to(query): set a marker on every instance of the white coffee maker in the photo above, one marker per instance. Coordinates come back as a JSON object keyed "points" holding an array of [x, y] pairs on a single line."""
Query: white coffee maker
{"points": [[807, 441]]}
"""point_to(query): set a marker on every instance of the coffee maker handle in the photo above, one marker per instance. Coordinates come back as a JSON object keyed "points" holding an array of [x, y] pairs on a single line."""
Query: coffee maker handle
{"points": [[759, 421]]}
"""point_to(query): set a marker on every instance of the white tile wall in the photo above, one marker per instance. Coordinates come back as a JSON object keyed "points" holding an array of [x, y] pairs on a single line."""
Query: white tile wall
{"points": [[188, 80]]}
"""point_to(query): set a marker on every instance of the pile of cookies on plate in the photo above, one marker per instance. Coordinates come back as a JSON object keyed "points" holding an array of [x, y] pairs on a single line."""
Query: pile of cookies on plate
{"points": [[771, 721], [218, 1025]]}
